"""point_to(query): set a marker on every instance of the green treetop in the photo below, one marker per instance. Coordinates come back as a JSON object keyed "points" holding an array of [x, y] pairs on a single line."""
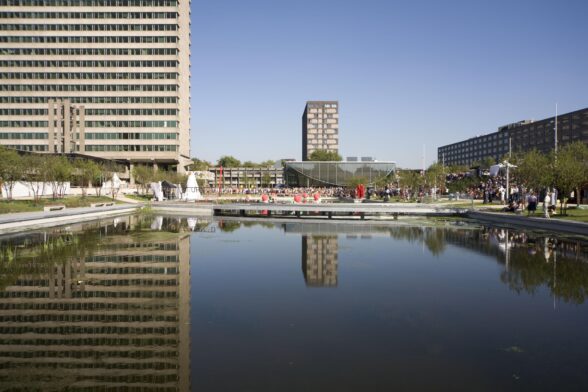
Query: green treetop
{"points": [[324, 155]]}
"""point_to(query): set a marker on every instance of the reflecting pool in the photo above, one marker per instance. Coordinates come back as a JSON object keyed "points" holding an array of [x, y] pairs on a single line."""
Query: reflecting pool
{"points": [[166, 303]]}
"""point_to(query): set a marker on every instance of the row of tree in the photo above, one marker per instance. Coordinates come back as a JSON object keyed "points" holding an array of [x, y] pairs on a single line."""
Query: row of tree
{"points": [[37, 170], [566, 170], [229, 161], [145, 175]]}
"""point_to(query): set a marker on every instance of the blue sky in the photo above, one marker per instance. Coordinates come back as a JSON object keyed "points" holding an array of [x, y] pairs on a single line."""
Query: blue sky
{"points": [[406, 73]]}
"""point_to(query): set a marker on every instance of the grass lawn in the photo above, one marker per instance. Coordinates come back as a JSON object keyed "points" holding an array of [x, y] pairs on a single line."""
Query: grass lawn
{"points": [[571, 214], [140, 197], [7, 207]]}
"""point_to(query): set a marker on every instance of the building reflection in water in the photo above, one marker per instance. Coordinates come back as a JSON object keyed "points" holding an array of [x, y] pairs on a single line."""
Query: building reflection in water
{"points": [[103, 309], [531, 259], [320, 260]]}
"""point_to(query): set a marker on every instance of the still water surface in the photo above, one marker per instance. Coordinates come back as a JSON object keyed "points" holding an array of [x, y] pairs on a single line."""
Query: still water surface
{"points": [[177, 304]]}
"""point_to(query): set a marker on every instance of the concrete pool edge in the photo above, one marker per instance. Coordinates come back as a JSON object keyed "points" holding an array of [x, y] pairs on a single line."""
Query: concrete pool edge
{"points": [[536, 223], [17, 222], [11, 223]]}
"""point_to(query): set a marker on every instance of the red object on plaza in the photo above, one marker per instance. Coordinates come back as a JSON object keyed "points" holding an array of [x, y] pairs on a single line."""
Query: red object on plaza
{"points": [[297, 199], [317, 196], [305, 195], [264, 198]]}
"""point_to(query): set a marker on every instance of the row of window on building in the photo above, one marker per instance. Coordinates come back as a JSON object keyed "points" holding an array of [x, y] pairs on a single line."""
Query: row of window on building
{"points": [[90, 100], [89, 63], [87, 15], [93, 135], [94, 124], [89, 39], [99, 148], [89, 75], [88, 27], [94, 112], [90, 3], [88, 87], [88, 52]]}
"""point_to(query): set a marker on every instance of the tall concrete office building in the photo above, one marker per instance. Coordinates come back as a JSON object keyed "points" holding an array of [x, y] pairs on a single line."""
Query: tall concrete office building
{"points": [[119, 68], [320, 127]]}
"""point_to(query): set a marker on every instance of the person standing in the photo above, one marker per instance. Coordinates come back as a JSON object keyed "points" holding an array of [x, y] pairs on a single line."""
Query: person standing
{"points": [[553, 201], [531, 204], [546, 204]]}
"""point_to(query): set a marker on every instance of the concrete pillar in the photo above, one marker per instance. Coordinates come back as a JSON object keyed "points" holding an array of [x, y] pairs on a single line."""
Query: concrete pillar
{"points": [[155, 167], [82, 128], [131, 175], [66, 127], [51, 127]]}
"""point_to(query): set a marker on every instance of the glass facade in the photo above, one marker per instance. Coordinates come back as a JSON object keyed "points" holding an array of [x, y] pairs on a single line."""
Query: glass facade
{"points": [[311, 173]]}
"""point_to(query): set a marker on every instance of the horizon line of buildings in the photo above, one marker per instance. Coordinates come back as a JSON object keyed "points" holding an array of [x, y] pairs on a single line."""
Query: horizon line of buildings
{"points": [[521, 136]]}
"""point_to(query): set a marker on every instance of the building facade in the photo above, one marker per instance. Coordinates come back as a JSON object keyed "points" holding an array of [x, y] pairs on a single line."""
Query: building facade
{"points": [[518, 137], [246, 177], [124, 65], [320, 127]]}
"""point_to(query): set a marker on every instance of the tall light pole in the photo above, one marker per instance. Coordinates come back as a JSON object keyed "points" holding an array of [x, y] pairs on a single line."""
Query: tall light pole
{"points": [[555, 134]]}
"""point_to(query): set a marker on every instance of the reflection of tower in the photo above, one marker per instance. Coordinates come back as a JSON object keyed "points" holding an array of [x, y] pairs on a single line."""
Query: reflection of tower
{"points": [[116, 318], [320, 260]]}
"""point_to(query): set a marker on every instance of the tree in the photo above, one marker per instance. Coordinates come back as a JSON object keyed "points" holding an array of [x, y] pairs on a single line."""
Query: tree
{"points": [[143, 176], [354, 181], [485, 163], [37, 174], [101, 174], [266, 179], [268, 163], [60, 173], [249, 164], [571, 170], [200, 165], [228, 161], [410, 179], [324, 155], [535, 170], [435, 176], [87, 172], [107, 171], [458, 169], [11, 170]]}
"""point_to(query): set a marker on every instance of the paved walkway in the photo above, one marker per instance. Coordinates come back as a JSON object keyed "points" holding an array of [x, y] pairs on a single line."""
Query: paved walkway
{"points": [[124, 199], [30, 220]]}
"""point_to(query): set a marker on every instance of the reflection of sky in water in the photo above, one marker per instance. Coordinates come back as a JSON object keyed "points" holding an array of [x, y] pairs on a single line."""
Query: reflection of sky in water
{"points": [[266, 307], [412, 307]]}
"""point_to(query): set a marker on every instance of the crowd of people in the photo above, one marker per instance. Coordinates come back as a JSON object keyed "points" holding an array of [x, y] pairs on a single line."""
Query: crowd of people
{"points": [[489, 189]]}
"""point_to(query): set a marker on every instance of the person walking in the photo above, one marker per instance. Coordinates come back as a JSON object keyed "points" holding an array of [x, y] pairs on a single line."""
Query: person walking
{"points": [[546, 204]]}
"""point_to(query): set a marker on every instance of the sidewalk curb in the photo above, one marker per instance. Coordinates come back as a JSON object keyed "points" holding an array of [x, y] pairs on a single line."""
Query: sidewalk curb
{"points": [[579, 228], [28, 221]]}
